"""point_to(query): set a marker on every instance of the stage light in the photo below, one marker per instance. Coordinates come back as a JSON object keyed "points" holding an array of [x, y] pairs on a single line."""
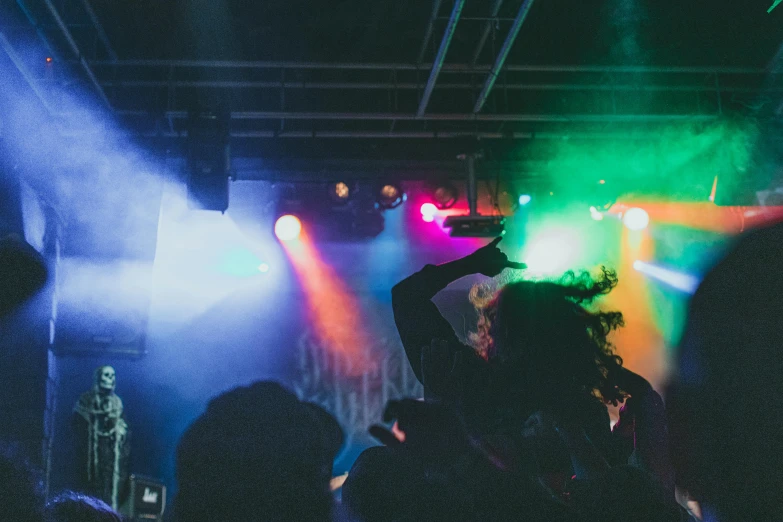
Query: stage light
{"points": [[288, 227], [48, 59], [340, 192], [390, 196], [596, 214], [636, 219], [263, 268], [475, 226], [428, 211], [524, 199], [445, 196]]}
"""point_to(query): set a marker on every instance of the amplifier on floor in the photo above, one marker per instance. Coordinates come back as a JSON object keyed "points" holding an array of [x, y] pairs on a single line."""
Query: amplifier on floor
{"points": [[147, 499]]}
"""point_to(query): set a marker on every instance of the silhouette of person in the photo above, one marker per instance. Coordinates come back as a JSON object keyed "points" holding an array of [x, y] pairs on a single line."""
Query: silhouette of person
{"points": [[725, 401], [257, 453], [537, 348]]}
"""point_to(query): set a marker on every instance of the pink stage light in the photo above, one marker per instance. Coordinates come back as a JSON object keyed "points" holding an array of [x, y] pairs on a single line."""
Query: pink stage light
{"points": [[428, 211]]}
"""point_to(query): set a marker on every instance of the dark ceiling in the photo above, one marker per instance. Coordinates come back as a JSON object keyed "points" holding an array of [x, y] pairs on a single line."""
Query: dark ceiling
{"points": [[556, 32], [332, 79]]}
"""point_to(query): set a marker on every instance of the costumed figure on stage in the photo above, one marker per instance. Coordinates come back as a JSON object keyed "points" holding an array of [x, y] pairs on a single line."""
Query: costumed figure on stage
{"points": [[98, 418]]}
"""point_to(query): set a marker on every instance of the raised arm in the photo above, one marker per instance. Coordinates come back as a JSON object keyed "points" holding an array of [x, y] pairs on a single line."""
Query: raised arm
{"points": [[418, 320]]}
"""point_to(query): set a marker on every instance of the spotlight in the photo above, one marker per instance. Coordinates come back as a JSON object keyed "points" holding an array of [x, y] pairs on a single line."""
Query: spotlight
{"points": [[636, 219], [263, 268], [390, 195], [445, 196], [287, 228], [524, 199], [428, 211], [340, 192]]}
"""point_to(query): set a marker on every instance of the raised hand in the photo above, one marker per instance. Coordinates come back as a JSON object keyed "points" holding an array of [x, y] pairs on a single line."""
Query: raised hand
{"points": [[490, 261]]}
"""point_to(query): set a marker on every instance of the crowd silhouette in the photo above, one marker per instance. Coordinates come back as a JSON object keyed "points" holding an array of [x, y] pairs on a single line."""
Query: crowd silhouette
{"points": [[513, 424]]}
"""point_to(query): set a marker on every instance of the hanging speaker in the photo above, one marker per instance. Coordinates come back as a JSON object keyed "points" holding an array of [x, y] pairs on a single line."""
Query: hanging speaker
{"points": [[208, 160]]}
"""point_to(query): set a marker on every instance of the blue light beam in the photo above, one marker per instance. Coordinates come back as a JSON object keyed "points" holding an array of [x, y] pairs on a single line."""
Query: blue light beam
{"points": [[684, 282]]}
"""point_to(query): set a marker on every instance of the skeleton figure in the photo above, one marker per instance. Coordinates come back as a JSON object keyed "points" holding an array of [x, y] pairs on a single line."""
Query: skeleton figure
{"points": [[98, 417]]}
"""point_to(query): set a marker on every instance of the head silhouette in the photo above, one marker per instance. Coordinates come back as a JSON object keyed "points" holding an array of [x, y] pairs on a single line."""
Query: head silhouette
{"points": [[76, 507], [725, 401], [21, 498], [257, 453], [543, 332]]}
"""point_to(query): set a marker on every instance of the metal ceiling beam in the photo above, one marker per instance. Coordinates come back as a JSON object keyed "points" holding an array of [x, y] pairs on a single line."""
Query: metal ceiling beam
{"points": [[370, 116], [524, 9], [38, 29], [99, 29], [428, 32], [646, 136], [437, 64], [357, 134], [242, 84], [77, 52], [454, 67], [28, 78], [485, 33]]}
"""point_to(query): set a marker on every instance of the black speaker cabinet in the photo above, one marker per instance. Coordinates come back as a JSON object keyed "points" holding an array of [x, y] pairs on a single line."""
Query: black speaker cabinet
{"points": [[147, 499]]}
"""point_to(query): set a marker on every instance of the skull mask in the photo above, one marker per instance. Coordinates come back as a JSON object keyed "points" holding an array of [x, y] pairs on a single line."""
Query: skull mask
{"points": [[105, 379]]}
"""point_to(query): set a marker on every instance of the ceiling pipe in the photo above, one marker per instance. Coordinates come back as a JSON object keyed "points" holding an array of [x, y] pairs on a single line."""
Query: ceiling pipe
{"points": [[380, 116], [9, 50], [428, 32], [454, 67], [75, 49], [596, 136], [353, 135], [99, 29], [38, 29], [241, 84], [485, 34], [524, 9], [441, 56]]}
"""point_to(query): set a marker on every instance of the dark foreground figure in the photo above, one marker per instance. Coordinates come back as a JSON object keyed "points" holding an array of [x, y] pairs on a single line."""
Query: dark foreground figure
{"points": [[725, 403], [257, 454]]}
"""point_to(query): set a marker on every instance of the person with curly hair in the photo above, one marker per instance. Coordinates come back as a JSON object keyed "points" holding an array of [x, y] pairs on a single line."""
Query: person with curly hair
{"points": [[539, 356]]}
